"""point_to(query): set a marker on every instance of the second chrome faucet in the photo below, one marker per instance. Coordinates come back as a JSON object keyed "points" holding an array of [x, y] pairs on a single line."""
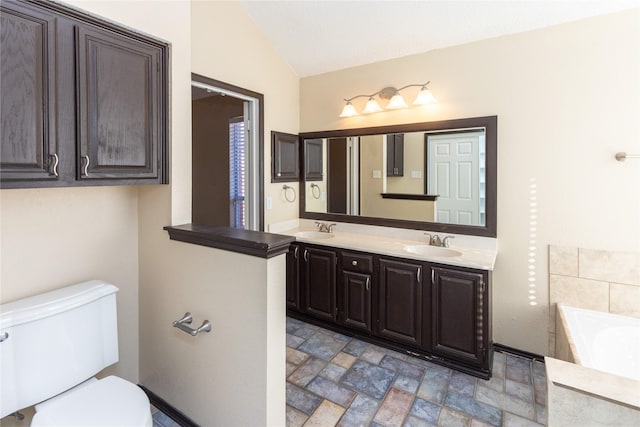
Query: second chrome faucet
{"points": [[435, 240], [324, 227]]}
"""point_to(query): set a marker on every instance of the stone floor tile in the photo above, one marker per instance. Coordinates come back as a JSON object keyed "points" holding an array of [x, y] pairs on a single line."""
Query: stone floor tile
{"points": [[344, 359], [372, 354], [417, 422], [355, 347], [290, 368], [511, 420], [462, 383], [295, 418], [505, 402], [450, 418], [294, 341], [410, 385], [296, 357], [293, 324], [369, 379], [425, 410], [538, 369], [403, 368], [306, 372], [301, 399], [332, 391], [495, 383], [518, 369], [394, 408], [476, 423], [519, 390], [327, 414], [475, 409], [305, 331], [322, 346], [360, 413], [333, 372], [434, 386], [162, 419], [341, 337]]}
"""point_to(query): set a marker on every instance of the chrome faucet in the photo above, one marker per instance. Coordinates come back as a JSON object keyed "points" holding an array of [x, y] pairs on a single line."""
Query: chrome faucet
{"points": [[434, 240], [324, 227]]}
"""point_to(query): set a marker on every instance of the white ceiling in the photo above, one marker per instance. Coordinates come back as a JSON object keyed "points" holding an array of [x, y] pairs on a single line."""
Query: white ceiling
{"points": [[319, 36]]}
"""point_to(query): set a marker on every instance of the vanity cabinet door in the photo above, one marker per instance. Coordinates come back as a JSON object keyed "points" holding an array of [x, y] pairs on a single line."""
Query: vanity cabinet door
{"points": [[120, 109], [293, 277], [356, 300], [27, 95], [459, 315], [319, 283], [400, 301]]}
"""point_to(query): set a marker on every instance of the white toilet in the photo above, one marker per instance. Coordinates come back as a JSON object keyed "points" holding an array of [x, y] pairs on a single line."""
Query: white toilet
{"points": [[51, 345]]}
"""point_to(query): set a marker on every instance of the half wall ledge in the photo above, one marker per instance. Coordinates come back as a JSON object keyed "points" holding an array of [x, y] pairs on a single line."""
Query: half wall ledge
{"points": [[247, 242]]}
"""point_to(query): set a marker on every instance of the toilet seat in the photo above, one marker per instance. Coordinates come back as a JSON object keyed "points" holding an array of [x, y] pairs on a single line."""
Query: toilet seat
{"points": [[109, 402]]}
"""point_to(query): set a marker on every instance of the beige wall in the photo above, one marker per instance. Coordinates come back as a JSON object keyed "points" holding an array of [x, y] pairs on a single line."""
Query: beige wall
{"points": [[567, 99]]}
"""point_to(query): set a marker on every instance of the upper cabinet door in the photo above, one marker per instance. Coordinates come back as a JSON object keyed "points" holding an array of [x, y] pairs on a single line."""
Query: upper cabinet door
{"points": [[27, 95], [284, 157], [120, 96]]}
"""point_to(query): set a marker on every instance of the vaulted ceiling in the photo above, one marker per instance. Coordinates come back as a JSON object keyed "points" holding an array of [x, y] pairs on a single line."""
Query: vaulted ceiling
{"points": [[319, 36]]}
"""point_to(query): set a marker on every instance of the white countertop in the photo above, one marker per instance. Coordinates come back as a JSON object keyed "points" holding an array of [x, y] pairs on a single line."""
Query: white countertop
{"points": [[470, 257]]}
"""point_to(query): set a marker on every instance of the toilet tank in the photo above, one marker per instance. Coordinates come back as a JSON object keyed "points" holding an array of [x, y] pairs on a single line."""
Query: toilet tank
{"points": [[53, 341]]}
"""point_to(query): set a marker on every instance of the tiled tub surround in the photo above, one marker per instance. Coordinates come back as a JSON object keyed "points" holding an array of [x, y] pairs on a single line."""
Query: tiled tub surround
{"points": [[606, 282], [593, 279], [333, 380], [591, 390], [476, 252]]}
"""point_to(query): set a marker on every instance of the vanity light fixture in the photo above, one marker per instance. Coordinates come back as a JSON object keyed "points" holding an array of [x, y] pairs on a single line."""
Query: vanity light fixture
{"points": [[396, 100]]}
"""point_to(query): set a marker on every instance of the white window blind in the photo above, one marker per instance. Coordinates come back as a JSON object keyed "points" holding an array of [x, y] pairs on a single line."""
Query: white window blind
{"points": [[237, 172]]}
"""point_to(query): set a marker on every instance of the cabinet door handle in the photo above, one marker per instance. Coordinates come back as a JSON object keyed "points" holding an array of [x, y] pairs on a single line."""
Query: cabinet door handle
{"points": [[433, 277], [306, 255], [295, 252], [367, 285], [419, 273], [56, 160], [85, 170], [354, 263]]}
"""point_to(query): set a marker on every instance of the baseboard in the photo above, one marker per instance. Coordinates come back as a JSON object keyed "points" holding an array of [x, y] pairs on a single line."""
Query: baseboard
{"points": [[506, 349], [168, 409]]}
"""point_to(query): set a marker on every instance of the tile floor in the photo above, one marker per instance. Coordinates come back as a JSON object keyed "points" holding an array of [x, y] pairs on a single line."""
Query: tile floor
{"points": [[160, 419], [334, 380]]}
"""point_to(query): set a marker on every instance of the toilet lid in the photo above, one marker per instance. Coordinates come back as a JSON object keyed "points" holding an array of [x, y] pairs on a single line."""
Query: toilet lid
{"points": [[111, 402]]}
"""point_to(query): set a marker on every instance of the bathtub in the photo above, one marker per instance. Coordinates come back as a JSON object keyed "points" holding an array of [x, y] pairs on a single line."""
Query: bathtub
{"points": [[602, 341]]}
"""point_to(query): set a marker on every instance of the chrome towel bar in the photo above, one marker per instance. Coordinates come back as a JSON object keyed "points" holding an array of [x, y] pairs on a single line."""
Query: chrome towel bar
{"points": [[622, 156], [186, 320]]}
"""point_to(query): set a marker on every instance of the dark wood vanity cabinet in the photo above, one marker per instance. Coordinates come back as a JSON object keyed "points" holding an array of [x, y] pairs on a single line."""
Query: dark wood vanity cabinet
{"points": [[401, 311], [318, 282], [84, 101], [459, 315], [355, 289], [438, 312]]}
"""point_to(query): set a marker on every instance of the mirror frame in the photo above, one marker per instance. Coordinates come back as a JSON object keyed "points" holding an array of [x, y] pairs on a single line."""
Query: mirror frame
{"points": [[489, 123]]}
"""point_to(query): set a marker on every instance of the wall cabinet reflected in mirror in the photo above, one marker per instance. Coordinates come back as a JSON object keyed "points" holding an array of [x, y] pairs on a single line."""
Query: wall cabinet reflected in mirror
{"points": [[438, 176]]}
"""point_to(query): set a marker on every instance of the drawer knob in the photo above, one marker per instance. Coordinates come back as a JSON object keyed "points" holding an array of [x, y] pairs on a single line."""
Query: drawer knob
{"points": [[354, 262]]}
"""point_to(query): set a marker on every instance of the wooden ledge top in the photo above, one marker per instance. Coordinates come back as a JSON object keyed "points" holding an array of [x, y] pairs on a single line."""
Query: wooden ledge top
{"points": [[247, 242]]}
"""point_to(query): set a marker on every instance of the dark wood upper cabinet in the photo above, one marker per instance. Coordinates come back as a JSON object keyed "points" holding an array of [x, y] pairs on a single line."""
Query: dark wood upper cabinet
{"points": [[84, 101], [395, 154], [285, 154], [27, 94], [313, 158], [460, 315], [400, 301], [118, 106]]}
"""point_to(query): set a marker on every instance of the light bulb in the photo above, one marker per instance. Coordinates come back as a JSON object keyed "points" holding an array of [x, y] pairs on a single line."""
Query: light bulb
{"points": [[424, 97], [397, 101], [348, 110], [372, 106]]}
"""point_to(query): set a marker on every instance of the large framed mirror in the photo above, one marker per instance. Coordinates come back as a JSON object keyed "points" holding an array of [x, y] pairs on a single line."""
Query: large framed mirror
{"points": [[437, 176]]}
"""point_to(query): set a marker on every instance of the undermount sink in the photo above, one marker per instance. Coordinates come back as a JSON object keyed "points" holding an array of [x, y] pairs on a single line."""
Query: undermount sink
{"points": [[316, 235], [428, 250]]}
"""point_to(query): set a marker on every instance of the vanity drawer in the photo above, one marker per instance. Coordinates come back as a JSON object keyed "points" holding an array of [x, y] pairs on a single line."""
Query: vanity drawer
{"points": [[354, 261]]}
